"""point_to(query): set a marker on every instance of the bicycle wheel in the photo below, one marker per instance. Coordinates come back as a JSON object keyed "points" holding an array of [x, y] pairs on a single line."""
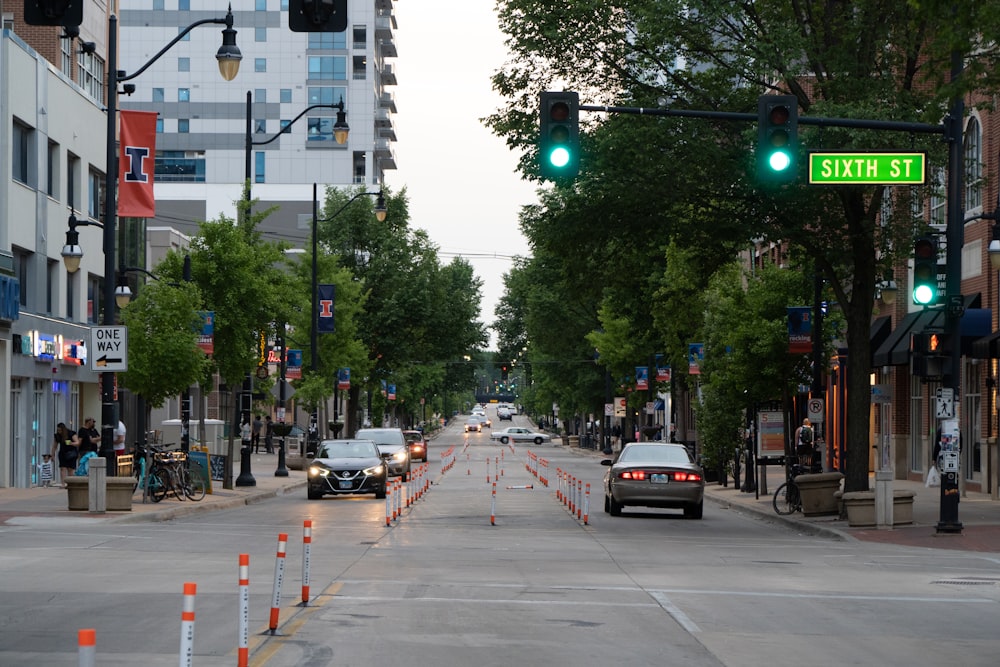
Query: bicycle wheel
{"points": [[786, 499], [157, 487], [194, 483], [176, 484]]}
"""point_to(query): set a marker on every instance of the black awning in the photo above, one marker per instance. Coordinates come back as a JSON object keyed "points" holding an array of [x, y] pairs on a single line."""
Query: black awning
{"points": [[987, 347], [880, 331], [895, 350]]}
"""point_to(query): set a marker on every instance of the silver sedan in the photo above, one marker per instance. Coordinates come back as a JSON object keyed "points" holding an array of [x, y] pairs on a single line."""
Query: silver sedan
{"points": [[519, 434], [654, 475]]}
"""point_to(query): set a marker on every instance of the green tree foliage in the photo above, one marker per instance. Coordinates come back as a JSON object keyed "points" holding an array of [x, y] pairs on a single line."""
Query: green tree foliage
{"points": [[163, 328], [868, 59]]}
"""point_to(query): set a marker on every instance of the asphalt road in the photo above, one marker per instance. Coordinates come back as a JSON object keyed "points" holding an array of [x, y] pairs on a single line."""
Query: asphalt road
{"points": [[446, 586]]}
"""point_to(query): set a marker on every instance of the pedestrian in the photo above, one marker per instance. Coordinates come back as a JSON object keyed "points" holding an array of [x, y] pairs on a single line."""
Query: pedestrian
{"points": [[255, 434], [45, 473], [89, 436], [804, 439], [269, 435], [83, 464], [245, 434], [119, 445], [66, 450]]}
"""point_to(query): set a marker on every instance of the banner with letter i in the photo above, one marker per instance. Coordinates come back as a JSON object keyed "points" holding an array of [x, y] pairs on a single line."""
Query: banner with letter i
{"points": [[325, 295], [136, 164]]}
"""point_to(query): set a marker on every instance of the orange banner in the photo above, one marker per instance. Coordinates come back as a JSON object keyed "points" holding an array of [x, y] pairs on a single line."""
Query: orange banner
{"points": [[136, 164]]}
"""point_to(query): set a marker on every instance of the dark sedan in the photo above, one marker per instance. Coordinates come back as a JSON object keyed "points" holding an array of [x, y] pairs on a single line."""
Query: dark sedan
{"points": [[417, 445], [654, 475], [346, 466]]}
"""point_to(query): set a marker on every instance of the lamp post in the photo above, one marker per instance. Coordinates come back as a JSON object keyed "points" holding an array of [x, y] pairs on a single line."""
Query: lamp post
{"points": [[228, 57], [340, 134], [380, 213]]}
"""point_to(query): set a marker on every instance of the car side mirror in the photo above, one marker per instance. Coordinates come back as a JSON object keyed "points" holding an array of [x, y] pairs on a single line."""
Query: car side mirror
{"points": [[606, 462]]}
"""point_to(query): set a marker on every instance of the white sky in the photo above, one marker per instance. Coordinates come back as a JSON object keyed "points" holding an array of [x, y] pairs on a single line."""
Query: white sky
{"points": [[460, 177]]}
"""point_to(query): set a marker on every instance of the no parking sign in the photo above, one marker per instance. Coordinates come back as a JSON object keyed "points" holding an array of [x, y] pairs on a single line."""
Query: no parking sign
{"points": [[814, 410]]}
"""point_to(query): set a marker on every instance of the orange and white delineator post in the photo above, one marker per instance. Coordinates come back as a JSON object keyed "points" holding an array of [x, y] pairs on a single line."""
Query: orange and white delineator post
{"points": [[279, 576], [493, 506], [307, 538], [586, 506], [243, 639], [187, 625], [86, 639]]}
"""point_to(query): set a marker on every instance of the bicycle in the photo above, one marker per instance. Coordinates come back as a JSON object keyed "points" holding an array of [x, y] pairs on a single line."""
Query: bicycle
{"points": [[172, 472], [787, 499], [151, 483]]}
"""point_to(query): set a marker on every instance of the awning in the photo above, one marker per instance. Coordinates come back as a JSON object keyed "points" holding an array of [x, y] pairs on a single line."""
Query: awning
{"points": [[880, 331], [895, 350], [987, 347]]}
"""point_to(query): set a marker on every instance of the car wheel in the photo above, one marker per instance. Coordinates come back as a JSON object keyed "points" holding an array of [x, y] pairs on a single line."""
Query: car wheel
{"points": [[607, 504], [504, 440], [380, 493], [538, 441], [313, 493], [614, 507], [694, 511]]}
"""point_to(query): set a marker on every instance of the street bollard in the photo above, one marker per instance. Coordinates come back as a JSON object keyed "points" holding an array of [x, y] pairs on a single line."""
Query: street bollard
{"points": [[187, 625], [279, 576], [246, 477], [97, 485], [281, 471]]}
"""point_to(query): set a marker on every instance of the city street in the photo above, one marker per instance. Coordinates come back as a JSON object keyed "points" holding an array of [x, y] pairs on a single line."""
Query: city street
{"points": [[446, 585]]}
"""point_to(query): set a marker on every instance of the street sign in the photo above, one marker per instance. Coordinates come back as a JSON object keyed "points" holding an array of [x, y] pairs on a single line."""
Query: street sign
{"points": [[815, 409], [867, 168], [109, 349], [945, 403]]}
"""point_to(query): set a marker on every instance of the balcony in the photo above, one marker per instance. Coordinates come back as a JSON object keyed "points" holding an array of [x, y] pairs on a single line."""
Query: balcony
{"points": [[384, 25], [388, 75], [383, 118], [387, 101], [384, 155], [383, 5], [387, 48]]}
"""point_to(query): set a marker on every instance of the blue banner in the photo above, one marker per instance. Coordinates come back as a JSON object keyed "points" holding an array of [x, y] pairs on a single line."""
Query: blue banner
{"points": [[324, 308]]}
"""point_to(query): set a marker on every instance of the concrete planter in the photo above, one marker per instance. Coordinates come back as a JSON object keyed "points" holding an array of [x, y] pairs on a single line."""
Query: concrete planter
{"points": [[118, 498], [860, 508], [818, 492]]}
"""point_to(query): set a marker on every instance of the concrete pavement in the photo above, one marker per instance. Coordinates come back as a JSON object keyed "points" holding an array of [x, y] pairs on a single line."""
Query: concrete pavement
{"points": [[979, 515]]}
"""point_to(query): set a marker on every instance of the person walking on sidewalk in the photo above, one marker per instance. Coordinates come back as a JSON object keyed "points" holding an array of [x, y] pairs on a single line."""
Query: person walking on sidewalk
{"points": [[255, 434], [269, 435], [804, 442], [66, 450]]}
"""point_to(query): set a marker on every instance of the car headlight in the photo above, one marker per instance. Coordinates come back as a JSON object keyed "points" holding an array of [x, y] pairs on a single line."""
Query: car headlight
{"points": [[399, 456], [317, 471], [375, 471]]}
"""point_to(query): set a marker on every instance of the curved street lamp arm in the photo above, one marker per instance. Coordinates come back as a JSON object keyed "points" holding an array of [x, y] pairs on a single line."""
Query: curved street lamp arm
{"points": [[288, 128], [121, 76], [349, 202]]}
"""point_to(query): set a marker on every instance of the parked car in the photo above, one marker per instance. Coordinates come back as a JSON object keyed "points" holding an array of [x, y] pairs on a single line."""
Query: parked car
{"points": [[519, 434], [473, 423], [505, 414], [654, 475], [392, 446], [346, 466], [417, 445]]}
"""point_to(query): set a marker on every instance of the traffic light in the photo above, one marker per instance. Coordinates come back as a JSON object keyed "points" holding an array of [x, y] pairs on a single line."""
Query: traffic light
{"points": [[930, 354], [317, 15], [559, 139], [503, 372], [67, 13], [925, 271], [777, 138]]}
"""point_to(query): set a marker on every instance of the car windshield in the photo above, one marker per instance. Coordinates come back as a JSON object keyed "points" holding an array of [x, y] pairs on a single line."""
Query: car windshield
{"points": [[345, 450], [655, 454], [413, 437]]}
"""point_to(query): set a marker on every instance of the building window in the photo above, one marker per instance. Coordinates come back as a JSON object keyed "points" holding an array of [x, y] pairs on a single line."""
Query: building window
{"points": [[23, 136], [52, 170], [51, 285], [71, 295], [91, 74], [283, 123], [939, 202], [157, 4], [973, 165], [184, 5], [185, 37], [158, 95], [326, 68], [327, 40], [260, 95], [93, 299], [326, 94], [183, 94], [159, 126], [65, 57], [180, 166], [260, 34], [95, 191], [359, 71], [360, 37], [286, 95], [260, 64], [183, 64], [320, 129], [359, 167], [183, 125], [259, 167], [260, 126], [72, 173], [261, 5], [22, 261]]}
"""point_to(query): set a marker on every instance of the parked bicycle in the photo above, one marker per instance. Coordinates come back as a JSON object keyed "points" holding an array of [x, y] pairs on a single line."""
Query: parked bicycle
{"points": [[171, 472], [787, 499]]}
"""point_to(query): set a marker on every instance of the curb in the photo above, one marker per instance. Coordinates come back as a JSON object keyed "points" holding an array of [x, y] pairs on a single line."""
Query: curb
{"points": [[806, 527], [168, 513]]}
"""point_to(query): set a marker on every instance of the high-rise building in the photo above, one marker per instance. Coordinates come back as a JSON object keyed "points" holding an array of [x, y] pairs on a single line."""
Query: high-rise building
{"points": [[202, 128]]}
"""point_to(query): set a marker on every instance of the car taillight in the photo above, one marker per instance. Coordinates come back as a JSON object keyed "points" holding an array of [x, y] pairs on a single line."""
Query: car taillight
{"points": [[634, 474], [687, 477]]}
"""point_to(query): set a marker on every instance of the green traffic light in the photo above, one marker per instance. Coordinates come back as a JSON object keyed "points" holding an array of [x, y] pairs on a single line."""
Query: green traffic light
{"points": [[559, 157], [924, 295], [779, 160]]}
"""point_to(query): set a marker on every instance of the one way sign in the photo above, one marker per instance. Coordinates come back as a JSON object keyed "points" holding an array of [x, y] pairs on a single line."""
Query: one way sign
{"points": [[109, 349]]}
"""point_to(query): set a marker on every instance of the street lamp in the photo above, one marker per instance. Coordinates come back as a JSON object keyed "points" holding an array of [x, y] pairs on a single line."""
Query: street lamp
{"points": [[340, 133], [380, 213], [228, 57]]}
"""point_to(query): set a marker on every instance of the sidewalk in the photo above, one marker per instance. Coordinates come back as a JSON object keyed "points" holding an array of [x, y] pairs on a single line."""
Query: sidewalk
{"points": [[25, 506]]}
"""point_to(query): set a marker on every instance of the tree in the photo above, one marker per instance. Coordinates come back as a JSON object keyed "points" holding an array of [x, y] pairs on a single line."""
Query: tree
{"points": [[867, 59]]}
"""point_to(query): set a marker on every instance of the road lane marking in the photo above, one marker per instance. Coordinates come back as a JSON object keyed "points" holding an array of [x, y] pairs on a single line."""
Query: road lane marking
{"points": [[682, 619]]}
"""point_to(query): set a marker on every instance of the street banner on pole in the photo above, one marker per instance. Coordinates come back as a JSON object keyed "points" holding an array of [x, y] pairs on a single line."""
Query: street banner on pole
{"points": [[136, 164], [324, 308]]}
